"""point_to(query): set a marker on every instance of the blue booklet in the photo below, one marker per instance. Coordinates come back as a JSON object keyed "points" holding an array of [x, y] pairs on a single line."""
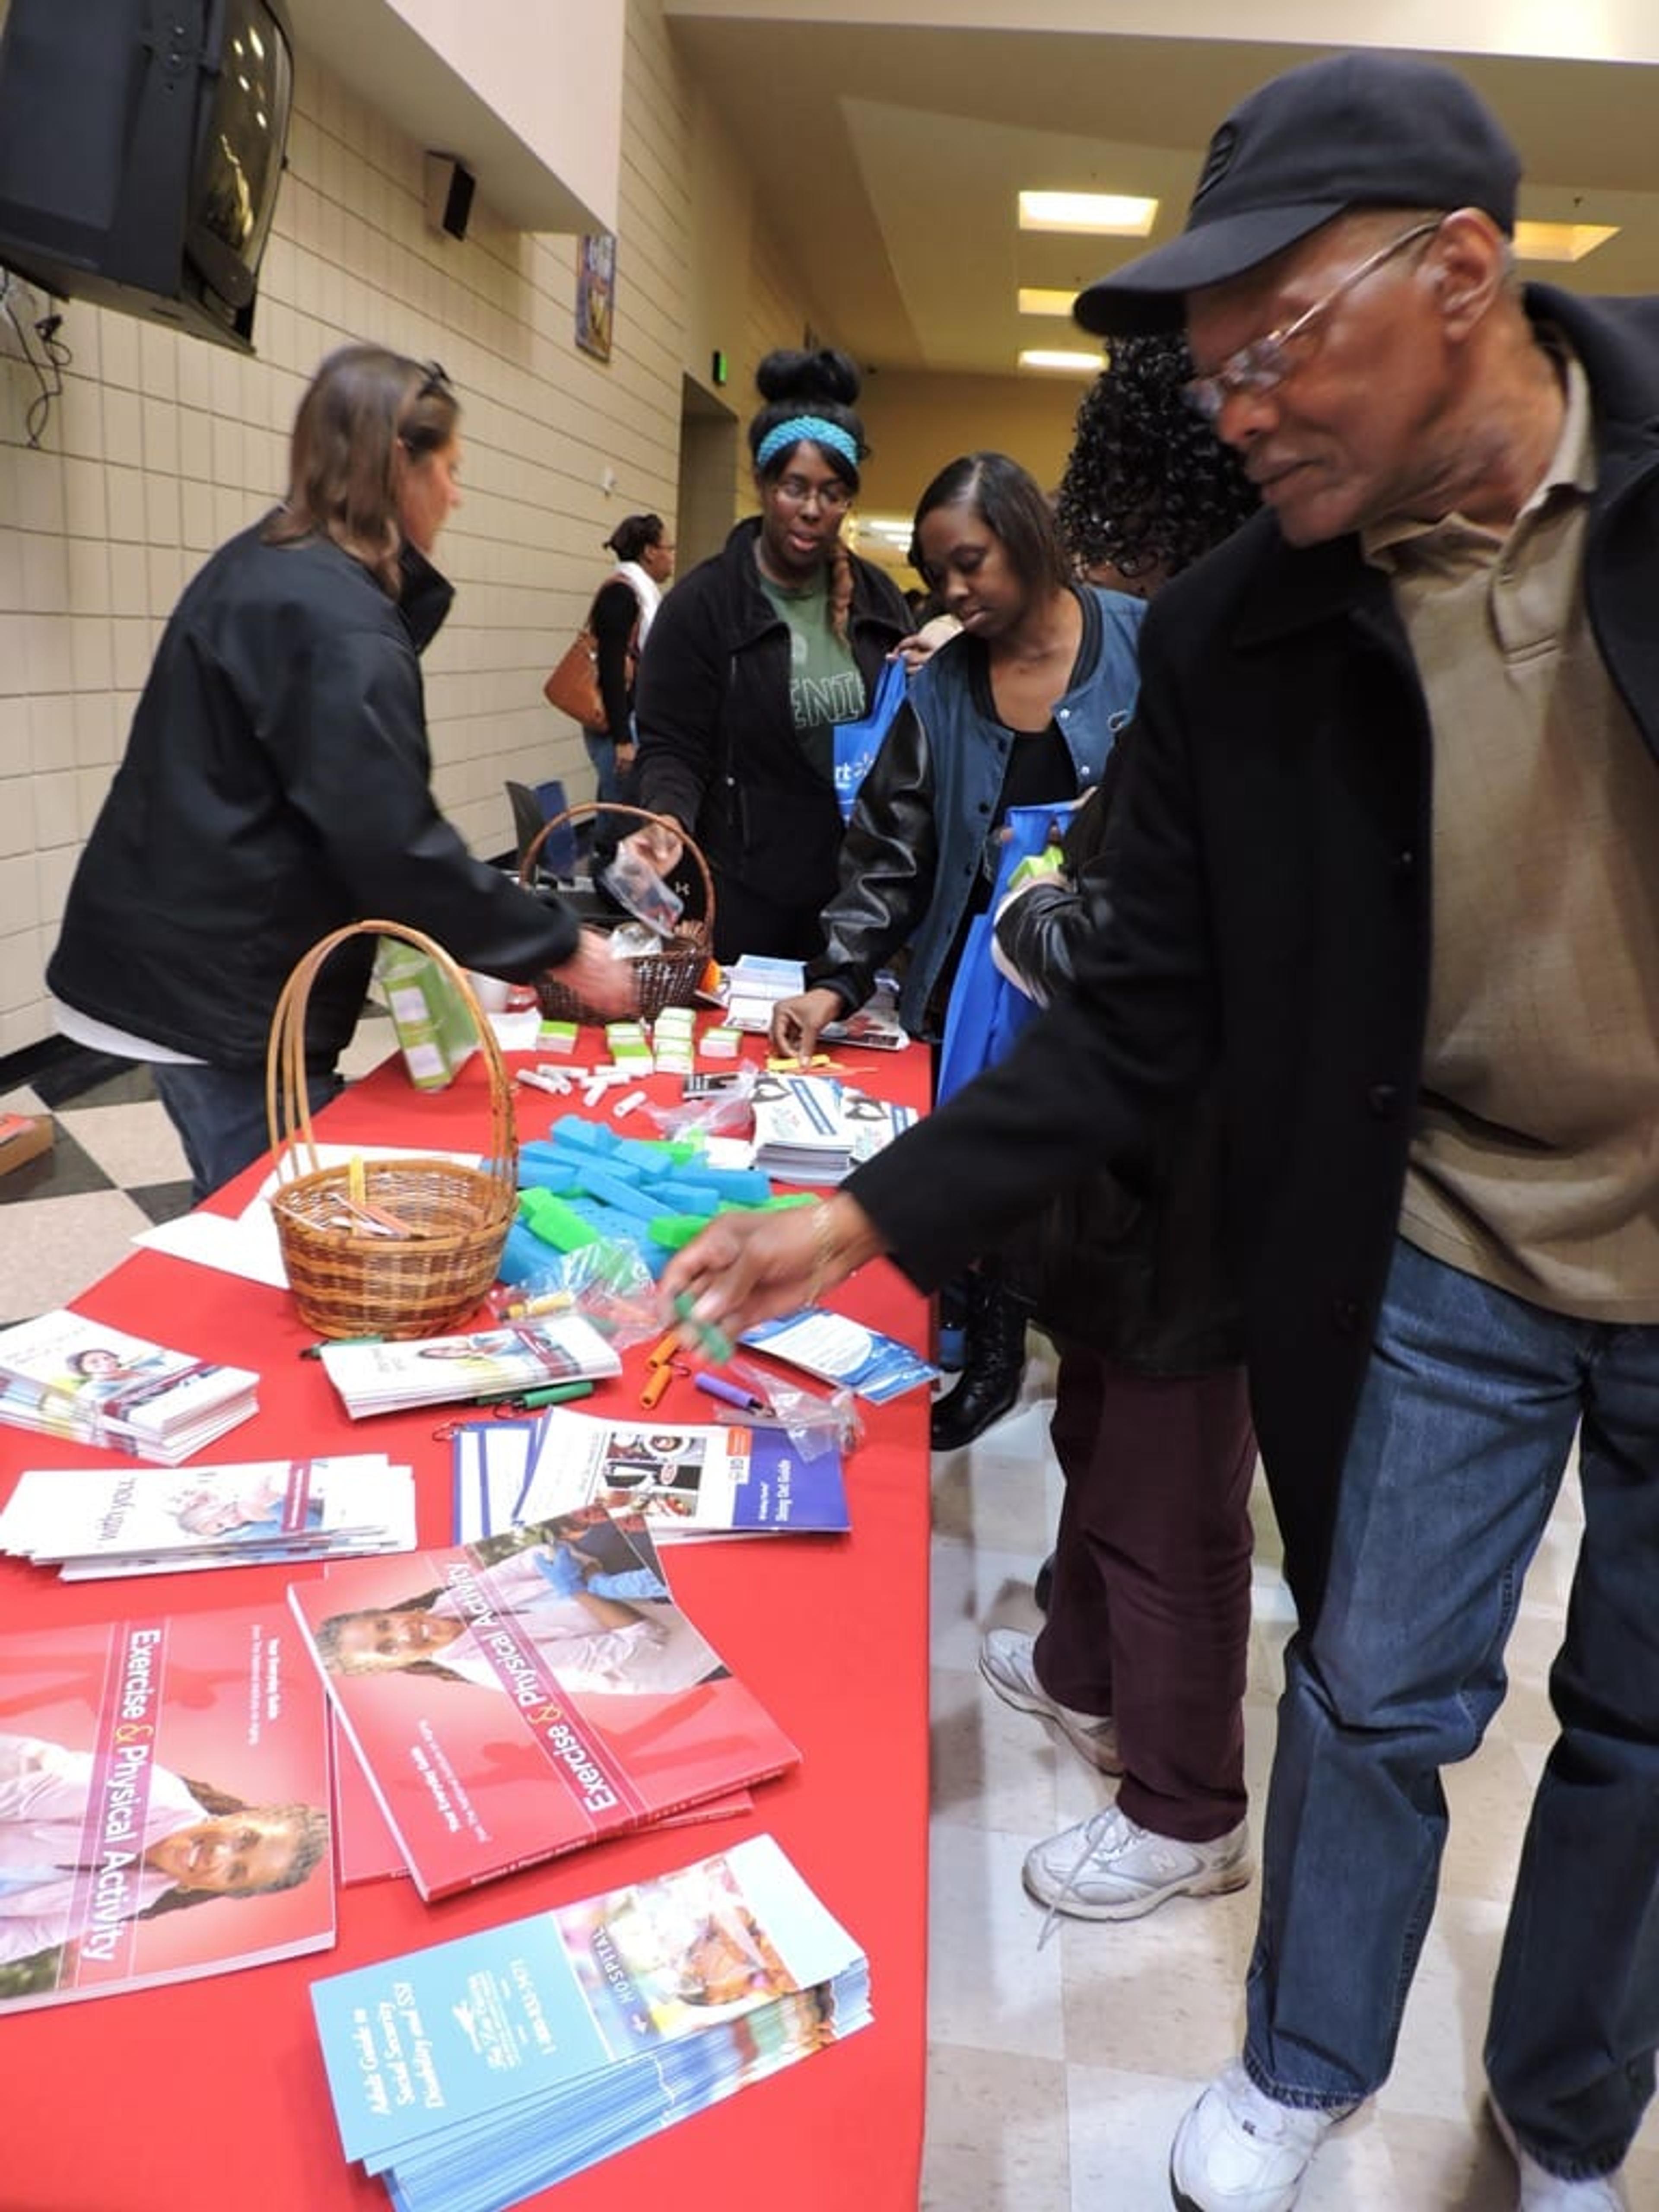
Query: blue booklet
{"points": [[472, 2073], [843, 1351], [680, 1480]]}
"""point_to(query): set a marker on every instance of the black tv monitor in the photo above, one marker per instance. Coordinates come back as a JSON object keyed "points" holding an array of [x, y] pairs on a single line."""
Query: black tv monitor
{"points": [[141, 148]]}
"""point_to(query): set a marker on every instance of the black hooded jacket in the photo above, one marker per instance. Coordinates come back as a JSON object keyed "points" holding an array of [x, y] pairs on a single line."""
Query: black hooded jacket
{"points": [[276, 786]]}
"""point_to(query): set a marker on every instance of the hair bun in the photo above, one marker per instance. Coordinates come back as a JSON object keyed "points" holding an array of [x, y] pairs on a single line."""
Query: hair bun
{"points": [[790, 374]]}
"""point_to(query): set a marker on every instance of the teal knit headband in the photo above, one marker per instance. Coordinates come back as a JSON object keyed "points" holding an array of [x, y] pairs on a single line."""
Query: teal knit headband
{"points": [[782, 435]]}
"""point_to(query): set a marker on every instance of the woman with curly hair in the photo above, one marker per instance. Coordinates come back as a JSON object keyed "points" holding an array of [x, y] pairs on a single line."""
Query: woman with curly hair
{"points": [[753, 659], [1148, 487], [1141, 1663]]}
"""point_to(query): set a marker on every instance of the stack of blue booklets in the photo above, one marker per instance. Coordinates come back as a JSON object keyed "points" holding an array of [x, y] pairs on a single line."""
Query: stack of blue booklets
{"points": [[472, 2074]]}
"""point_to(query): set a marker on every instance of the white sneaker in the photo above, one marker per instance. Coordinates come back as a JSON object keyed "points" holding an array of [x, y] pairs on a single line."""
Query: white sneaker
{"points": [[1544, 2191], [1239, 2151], [1109, 1868], [1004, 1660]]}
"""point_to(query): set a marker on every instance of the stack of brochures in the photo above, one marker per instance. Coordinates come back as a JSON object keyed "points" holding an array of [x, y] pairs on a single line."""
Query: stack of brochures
{"points": [[64, 1375], [151, 1765], [816, 1130], [94, 1522], [517, 1698], [479, 2071], [679, 1482], [754, 984], [489, 1363]]}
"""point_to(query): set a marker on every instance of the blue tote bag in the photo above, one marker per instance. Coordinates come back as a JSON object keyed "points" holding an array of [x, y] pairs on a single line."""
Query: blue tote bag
{"points": [[858, 742], [986, 1012]]}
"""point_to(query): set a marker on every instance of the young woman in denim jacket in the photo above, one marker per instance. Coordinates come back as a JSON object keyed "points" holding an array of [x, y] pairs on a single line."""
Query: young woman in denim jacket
{"points": [[1021, 708]]}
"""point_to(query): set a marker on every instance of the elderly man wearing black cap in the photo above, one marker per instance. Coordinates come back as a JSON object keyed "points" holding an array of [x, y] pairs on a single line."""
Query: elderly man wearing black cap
{"points": [[1383, 854]]}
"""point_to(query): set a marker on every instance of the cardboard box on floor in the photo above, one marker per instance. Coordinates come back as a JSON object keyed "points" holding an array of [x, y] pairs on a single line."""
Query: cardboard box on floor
{"points": [[24, 1137]]}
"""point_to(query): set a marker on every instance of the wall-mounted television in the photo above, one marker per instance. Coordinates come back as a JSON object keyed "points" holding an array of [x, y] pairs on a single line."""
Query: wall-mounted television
{"points": [[141, 148]]}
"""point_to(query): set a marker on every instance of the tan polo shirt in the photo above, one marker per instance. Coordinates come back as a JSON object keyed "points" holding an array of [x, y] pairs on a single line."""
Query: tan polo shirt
{"points": [[1536, 1165]]}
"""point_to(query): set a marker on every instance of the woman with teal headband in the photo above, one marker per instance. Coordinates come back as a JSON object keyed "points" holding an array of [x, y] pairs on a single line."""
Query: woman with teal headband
{"points": [[753, 659]]}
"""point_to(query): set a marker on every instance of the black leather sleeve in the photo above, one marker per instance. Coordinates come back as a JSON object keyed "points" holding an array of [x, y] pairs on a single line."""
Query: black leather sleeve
{"points": [[889, 864]]}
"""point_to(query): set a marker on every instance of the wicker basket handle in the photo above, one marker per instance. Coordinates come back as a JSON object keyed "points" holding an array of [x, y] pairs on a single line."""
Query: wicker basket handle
{"points": [[703, 929], [287, 1103]]}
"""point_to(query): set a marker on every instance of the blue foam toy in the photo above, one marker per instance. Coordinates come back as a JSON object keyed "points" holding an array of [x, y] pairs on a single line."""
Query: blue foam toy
{"points": [[586, 1136], [685, 1198], [743, 1186], [540, 1174], [612, 1190]]}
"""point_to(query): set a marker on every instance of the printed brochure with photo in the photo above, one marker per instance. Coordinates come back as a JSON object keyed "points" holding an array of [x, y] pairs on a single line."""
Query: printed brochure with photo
{"points": [[681, 1481], [164, 1795], [519, 1698]]}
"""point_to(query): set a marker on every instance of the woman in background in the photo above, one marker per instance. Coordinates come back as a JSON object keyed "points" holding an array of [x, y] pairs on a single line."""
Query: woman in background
{"points": [[276, 784], [1020, 708], [624, 607], [755, 657]]}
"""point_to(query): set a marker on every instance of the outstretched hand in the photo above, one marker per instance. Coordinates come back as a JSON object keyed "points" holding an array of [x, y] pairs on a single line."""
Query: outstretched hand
{"points": [[609, 986], [746, 1267]]}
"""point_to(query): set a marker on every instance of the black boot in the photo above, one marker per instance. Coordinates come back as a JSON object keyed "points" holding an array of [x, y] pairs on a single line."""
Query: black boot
{"points": [[1044, 1587], [992, 1367]]}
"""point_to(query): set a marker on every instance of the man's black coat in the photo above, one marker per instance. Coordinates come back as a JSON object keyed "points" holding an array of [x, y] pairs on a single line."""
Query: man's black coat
{"points": [[1269, 910]]}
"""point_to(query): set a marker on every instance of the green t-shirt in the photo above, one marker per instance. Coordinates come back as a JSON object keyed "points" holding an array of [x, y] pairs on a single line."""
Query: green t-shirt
{"points": [[825, 686]]}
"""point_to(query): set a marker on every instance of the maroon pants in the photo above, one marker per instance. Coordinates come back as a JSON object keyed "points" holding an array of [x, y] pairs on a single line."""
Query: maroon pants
{"points": [[1149, 1618]]}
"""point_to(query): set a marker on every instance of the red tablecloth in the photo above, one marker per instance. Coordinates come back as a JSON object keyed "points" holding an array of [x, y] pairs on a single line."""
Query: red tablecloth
{"points": [[182, 2098]]}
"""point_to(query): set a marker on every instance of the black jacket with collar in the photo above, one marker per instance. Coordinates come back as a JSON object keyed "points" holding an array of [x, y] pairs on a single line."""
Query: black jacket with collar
{"points": [[276, 786], [1270, 921], [719, 750]]}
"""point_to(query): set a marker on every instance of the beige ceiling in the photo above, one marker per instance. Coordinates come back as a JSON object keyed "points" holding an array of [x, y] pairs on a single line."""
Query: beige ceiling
{"points": [[889, 157]]}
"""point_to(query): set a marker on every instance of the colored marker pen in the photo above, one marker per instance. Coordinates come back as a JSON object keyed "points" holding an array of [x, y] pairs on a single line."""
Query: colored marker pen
{"points": [[732, 1393]]}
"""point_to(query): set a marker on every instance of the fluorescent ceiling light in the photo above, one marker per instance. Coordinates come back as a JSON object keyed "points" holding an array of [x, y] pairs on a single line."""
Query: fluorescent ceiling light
{"points": [[1070, 364], [1106, 215], [1560, 241], [1037, 300], [892, 529]]}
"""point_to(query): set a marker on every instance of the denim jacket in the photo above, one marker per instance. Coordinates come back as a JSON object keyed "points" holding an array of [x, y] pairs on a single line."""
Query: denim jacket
{"points": [[921, 829]]}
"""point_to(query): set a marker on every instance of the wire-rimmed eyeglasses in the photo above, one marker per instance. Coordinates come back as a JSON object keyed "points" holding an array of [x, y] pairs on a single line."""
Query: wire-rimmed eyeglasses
{"points": [[1266, 361]]}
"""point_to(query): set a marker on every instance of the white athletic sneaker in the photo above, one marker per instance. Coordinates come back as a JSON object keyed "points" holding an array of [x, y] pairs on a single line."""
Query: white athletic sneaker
{"points": [[1004, 1660], [1238, 2151], [1544, 2191], [1109, 1868]]}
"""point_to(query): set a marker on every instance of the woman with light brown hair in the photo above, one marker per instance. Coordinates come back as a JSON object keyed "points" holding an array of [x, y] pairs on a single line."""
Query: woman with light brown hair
{"points": [[276, 784]]}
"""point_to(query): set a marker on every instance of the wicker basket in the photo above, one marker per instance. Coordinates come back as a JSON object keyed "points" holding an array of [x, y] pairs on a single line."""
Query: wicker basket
{"points": [[447, 1223], [667, 977]]}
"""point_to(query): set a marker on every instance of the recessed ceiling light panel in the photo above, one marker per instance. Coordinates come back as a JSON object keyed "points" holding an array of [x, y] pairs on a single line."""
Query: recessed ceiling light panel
{"points": [[1102, 215]]}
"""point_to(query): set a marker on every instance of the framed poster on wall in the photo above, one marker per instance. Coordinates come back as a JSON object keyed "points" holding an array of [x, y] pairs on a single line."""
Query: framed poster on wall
{"points": [[596, 293]]}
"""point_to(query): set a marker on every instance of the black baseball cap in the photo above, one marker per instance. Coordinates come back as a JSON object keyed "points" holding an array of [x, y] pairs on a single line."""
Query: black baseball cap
{"points": [[1359, 129]]}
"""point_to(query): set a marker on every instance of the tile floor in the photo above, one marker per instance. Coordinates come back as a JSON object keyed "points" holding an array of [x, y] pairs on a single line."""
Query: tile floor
{"points": [[1056, 2075]]}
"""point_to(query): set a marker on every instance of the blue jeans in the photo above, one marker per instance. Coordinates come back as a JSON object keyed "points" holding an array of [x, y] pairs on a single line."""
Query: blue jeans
{"points": [[1465, 1423], [607, 776], [220, 1116]]}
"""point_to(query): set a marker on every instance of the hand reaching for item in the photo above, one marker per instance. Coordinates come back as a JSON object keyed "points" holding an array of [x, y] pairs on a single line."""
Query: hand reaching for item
{"points": [[656, 845], [745, 1267], [796, 1021], [609, 986]]}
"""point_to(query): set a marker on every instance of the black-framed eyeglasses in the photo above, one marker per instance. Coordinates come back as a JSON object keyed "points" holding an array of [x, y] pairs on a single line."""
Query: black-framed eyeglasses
{"points": [[834, 497], [1265, 362], [434, 380]]}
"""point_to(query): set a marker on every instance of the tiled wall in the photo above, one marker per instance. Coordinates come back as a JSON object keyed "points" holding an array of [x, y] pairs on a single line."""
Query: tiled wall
{"points": [[161, 446]]}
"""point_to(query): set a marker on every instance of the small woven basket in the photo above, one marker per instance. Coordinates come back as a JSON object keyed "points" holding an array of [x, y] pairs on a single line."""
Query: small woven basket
{"points": [[667, 977], [383, 1248]]}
